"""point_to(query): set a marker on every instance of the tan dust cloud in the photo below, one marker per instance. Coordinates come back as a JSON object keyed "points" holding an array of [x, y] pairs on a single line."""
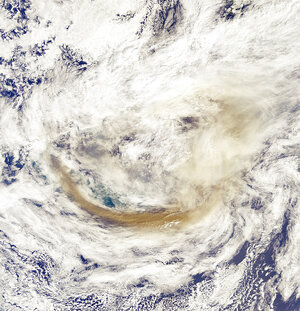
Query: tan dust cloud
{"points": [[173, 216], [220, 148]]}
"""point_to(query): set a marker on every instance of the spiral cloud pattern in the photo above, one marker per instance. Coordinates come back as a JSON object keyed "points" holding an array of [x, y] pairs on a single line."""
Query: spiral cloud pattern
{"points": [[149, 155]]}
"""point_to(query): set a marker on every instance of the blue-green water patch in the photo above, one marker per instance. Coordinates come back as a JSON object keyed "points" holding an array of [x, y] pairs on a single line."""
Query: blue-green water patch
{"points": [[108, 202]]}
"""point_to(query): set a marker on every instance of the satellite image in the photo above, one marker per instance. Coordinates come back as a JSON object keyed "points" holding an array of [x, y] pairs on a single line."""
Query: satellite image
{"points": [[150, 155]]}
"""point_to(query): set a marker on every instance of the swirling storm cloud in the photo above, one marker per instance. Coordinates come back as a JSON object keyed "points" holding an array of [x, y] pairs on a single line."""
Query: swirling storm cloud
{"points": [[149, 155]]}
